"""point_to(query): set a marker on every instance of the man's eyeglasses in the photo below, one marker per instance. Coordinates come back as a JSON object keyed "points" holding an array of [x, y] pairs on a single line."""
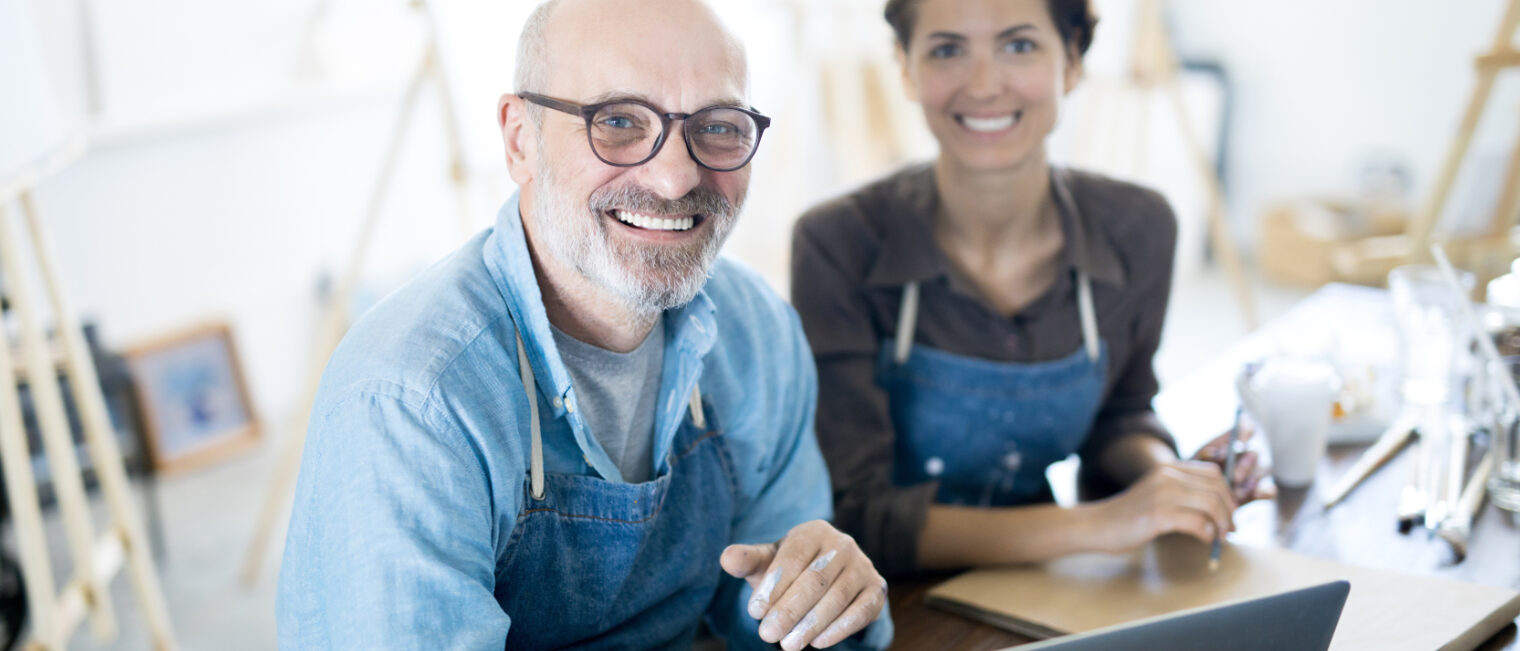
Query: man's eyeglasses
{"points": [[629, 132]]}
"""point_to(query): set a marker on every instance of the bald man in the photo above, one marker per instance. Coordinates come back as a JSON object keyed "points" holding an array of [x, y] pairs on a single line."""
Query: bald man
{"points": [[582, 428]]}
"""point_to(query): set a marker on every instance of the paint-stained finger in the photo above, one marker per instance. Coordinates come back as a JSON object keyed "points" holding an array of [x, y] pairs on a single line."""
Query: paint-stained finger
{"points": [[747, 561], [840, 593], [860, 613], [803, 593], [792, 555]]}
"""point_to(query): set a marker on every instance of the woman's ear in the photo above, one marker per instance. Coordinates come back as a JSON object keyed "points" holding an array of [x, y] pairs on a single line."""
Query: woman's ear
{"points": [[1074, 70], [910, 87], [517, 138]]}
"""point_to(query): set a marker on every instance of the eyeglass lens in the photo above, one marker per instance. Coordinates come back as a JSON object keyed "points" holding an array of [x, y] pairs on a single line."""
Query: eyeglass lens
{"points": [[626, 134]]}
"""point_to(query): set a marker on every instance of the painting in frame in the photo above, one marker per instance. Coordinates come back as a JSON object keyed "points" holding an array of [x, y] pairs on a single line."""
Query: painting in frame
{"points": [[193, 397]]}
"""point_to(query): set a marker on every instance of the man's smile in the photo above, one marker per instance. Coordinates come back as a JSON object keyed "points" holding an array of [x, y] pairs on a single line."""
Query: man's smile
{"points": [[643, 221]]}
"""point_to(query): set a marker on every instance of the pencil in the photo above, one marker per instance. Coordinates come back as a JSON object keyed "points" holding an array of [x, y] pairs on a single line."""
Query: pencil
{"points": [[1229, 480]]}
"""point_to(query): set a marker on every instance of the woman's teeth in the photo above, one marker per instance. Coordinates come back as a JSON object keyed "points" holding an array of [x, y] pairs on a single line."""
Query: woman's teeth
{"points": [[654, 223], [984, 125]]}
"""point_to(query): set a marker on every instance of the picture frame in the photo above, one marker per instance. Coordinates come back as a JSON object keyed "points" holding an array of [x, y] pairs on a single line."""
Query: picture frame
{"points": [[191, 392]]}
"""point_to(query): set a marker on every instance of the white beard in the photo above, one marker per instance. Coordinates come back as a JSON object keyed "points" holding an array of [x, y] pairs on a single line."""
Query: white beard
{"points": [[647, 279]]}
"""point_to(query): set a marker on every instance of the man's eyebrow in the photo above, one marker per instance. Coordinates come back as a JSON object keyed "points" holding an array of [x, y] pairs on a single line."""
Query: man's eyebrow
{"points": [[618, 95]]}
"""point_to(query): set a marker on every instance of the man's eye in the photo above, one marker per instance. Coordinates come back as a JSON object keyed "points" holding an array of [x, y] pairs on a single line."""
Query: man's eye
{"points": [[718, 129], [618, 122]]}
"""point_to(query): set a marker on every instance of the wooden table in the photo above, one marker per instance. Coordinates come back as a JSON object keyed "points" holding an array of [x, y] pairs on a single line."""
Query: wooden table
{"points": [[1361, 530]]}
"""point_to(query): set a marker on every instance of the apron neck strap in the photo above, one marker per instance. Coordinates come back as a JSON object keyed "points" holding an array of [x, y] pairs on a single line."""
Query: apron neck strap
{"points": [[536, 453], [1089, 315], [907, 322], [530, 386], [907, 319]]}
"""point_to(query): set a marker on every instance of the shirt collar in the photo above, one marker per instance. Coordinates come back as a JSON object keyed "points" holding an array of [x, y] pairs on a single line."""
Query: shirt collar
{"points": [[906, 227]]}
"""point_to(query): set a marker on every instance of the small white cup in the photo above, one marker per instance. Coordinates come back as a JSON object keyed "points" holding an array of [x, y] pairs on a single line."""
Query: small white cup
{"points": [[1292, 401]]}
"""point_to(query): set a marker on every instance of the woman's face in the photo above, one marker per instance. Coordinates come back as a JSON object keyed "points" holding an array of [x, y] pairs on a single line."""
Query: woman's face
{"points": [[990, 75]]}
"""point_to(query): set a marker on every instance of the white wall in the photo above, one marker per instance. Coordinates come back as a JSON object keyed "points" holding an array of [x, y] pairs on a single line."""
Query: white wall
{"points": [[1324, 87], [233, 163]]}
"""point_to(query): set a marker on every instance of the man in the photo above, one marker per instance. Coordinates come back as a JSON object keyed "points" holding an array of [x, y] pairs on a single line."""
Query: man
{"points": [[453, 497]]}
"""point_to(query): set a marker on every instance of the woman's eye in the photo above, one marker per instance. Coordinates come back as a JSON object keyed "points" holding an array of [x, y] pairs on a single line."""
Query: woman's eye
{"points": [[1020, 46], [944, 51]]}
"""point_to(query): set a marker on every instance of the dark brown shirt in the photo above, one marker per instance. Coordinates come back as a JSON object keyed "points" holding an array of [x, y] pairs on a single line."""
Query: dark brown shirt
{"points": [[850, 259]]}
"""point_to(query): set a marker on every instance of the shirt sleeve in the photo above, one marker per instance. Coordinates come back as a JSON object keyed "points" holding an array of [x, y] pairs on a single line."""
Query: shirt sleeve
{"points": [[391, 541], [1127, 408], [795, 491], [854, 423]]}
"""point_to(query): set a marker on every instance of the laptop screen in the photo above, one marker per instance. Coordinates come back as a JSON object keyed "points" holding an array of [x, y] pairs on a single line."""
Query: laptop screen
{"points": [[1300, 619]]}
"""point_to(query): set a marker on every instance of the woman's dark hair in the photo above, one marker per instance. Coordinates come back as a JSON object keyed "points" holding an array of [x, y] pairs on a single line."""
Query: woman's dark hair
{"points": [[1074, 20]]}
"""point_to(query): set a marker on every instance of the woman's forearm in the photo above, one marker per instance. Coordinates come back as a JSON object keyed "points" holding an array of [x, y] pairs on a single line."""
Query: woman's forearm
{"points": [[957, 536]]}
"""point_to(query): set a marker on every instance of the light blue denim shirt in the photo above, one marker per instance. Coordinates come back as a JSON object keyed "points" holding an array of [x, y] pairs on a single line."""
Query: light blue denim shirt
{"points": [[418, 448]]}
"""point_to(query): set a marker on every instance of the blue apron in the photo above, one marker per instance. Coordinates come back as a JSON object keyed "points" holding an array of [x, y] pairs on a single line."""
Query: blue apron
{"points": [[594, 564], [987, 430]]}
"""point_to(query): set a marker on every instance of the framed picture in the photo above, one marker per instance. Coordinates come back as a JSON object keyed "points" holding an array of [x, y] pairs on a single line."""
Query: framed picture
{"points": [[194, 401]]}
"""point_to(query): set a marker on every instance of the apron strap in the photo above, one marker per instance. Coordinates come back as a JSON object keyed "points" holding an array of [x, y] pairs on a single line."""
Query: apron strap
{"points": [[907, 321], [696, 407], [1088, 314], [536, 455], [536, 461]]}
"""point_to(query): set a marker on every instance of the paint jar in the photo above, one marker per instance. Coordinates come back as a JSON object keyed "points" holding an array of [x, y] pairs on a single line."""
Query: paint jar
{"points": [[1504, 444], [1434, 339]]}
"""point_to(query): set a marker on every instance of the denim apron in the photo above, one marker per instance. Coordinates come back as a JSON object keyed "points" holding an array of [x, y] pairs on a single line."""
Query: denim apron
{"points": [[594, 564], [987, 430]]}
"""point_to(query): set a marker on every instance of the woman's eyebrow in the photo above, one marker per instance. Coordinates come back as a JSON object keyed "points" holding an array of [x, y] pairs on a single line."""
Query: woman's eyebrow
{"points": [[1005, 34]]}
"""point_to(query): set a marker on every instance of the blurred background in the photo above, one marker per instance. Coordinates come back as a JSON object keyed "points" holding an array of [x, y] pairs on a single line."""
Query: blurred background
{"points": [[217, 172]]}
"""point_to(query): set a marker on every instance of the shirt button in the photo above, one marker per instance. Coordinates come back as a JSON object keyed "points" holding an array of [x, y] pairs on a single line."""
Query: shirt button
{"points": [[569, 407], [558, 403]]}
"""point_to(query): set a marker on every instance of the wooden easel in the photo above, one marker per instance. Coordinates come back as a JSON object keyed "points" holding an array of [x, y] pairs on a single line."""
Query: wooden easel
{"points": [[1488, 254], [1154, 67], [97, 559], [336, 318]]}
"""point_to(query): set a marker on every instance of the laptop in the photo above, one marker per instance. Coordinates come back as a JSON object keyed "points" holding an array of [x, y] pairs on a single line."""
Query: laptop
{"points": [[1300, 619]]}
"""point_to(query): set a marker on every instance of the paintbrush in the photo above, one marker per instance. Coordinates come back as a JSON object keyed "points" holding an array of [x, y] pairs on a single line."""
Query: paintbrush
{"points": [[1458, 527], [1412, 499]]}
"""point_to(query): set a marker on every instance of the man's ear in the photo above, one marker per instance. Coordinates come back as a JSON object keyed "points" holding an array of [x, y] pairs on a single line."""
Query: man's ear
{"points": [[517, 137]]}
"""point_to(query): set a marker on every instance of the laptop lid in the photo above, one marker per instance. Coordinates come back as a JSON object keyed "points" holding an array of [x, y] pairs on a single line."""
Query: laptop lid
{"points": [[1300, 619]]}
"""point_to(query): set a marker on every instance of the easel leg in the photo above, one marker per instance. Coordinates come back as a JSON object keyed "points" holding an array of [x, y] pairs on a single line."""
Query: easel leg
{"points": [[1425, 221], [335, 321], [101, 438], [57, 438], [21, 490], [1219, 225]]}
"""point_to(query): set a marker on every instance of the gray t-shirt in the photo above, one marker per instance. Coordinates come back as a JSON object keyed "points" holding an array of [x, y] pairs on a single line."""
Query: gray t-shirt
{"points": [[616, 393]]}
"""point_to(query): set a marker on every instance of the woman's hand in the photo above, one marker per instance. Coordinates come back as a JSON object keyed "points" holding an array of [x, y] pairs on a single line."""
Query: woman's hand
{"points": [[1250, 480], [1188, 497]]}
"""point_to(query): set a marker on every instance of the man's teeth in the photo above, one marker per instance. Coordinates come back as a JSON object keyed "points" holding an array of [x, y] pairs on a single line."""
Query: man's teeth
{"points": [[987, 124], [654, 223]]}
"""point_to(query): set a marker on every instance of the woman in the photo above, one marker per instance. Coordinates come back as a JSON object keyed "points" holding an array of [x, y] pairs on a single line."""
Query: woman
{"points": [[980, 317]]}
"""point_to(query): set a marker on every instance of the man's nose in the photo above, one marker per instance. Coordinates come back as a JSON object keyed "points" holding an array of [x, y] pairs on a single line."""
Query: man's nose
{"points": [[671, 173]]}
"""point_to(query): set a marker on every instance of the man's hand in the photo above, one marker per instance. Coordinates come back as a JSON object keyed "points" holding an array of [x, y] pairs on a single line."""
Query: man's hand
{"points": [[813, 586]]}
